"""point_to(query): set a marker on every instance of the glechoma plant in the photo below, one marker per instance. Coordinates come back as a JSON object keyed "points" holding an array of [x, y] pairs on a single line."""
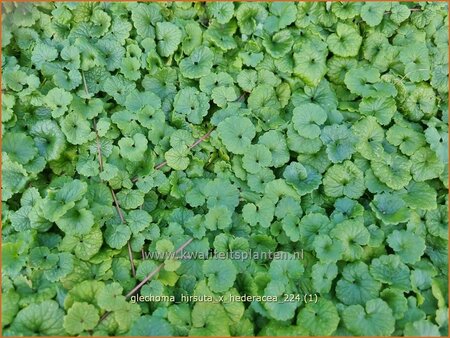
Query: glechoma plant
{"points": [[171, 127]]}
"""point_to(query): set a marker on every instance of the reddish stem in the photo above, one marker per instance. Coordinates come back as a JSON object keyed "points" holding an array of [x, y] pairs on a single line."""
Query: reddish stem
{"points": [[99, 149], [116, 202], [201, 139], [154, 272], [149, 276], [159, 166], [122, 219], [196, 143]]}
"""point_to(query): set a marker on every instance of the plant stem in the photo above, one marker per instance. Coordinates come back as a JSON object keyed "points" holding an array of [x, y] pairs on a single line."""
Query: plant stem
{"points": [[85, 84], [201, 139], [154, 272], [159, 166], [122, 219], [196, 143], [99, 148], [149, 276], [116, 202], [414, 9]]}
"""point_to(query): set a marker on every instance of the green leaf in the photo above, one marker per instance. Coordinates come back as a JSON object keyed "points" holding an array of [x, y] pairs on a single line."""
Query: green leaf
{"points": [[383, 108], [312, 225], [390, 208], [372, 13], [13, 259], [307, 120], [392, 170], [344, 180], [209, 319], [399, 13], [76, 129], [133, 149], [222, 95], [177, 157], [198, 64], [327, 250], [19, 147], [130, 68], [255, 158], [419, 103], [45, 318], [42, 54], [190, 102], [222, 12], [303, 178], [144, 268], [417, 63], [221, 274], [281, 311], [218, 218], [76, 221], [279, 44], [276, 143], [221, 35], [281, 15], [221, 192], [319, 319], [64, 267], [236, 133], [322, 276], [390, 270], [407, 140], [87, 108], [110, 297], [14, 177], [420, 196], [261, 213], [143, 16], [138, 220], [249, 15], [257, 181], [168, 36], [409, 246], [353, 235], [151, 326], [58, 101], [346, 10], [130, 199], [310, 63], [116, 236], [360, 80], [422, 328], [48, 138], [370, 136], [80, 317], [345, 42], [84, 246], [374, 319], [10, 306], [340, 142], [396, 301], [357, 286]]}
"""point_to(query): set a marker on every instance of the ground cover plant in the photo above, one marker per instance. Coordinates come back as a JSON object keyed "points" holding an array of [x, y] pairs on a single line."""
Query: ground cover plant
{"points": [[137, 128]]}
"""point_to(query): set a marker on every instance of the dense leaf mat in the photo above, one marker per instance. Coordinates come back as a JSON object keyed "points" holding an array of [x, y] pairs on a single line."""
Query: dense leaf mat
{"points": [[131, 128]]}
